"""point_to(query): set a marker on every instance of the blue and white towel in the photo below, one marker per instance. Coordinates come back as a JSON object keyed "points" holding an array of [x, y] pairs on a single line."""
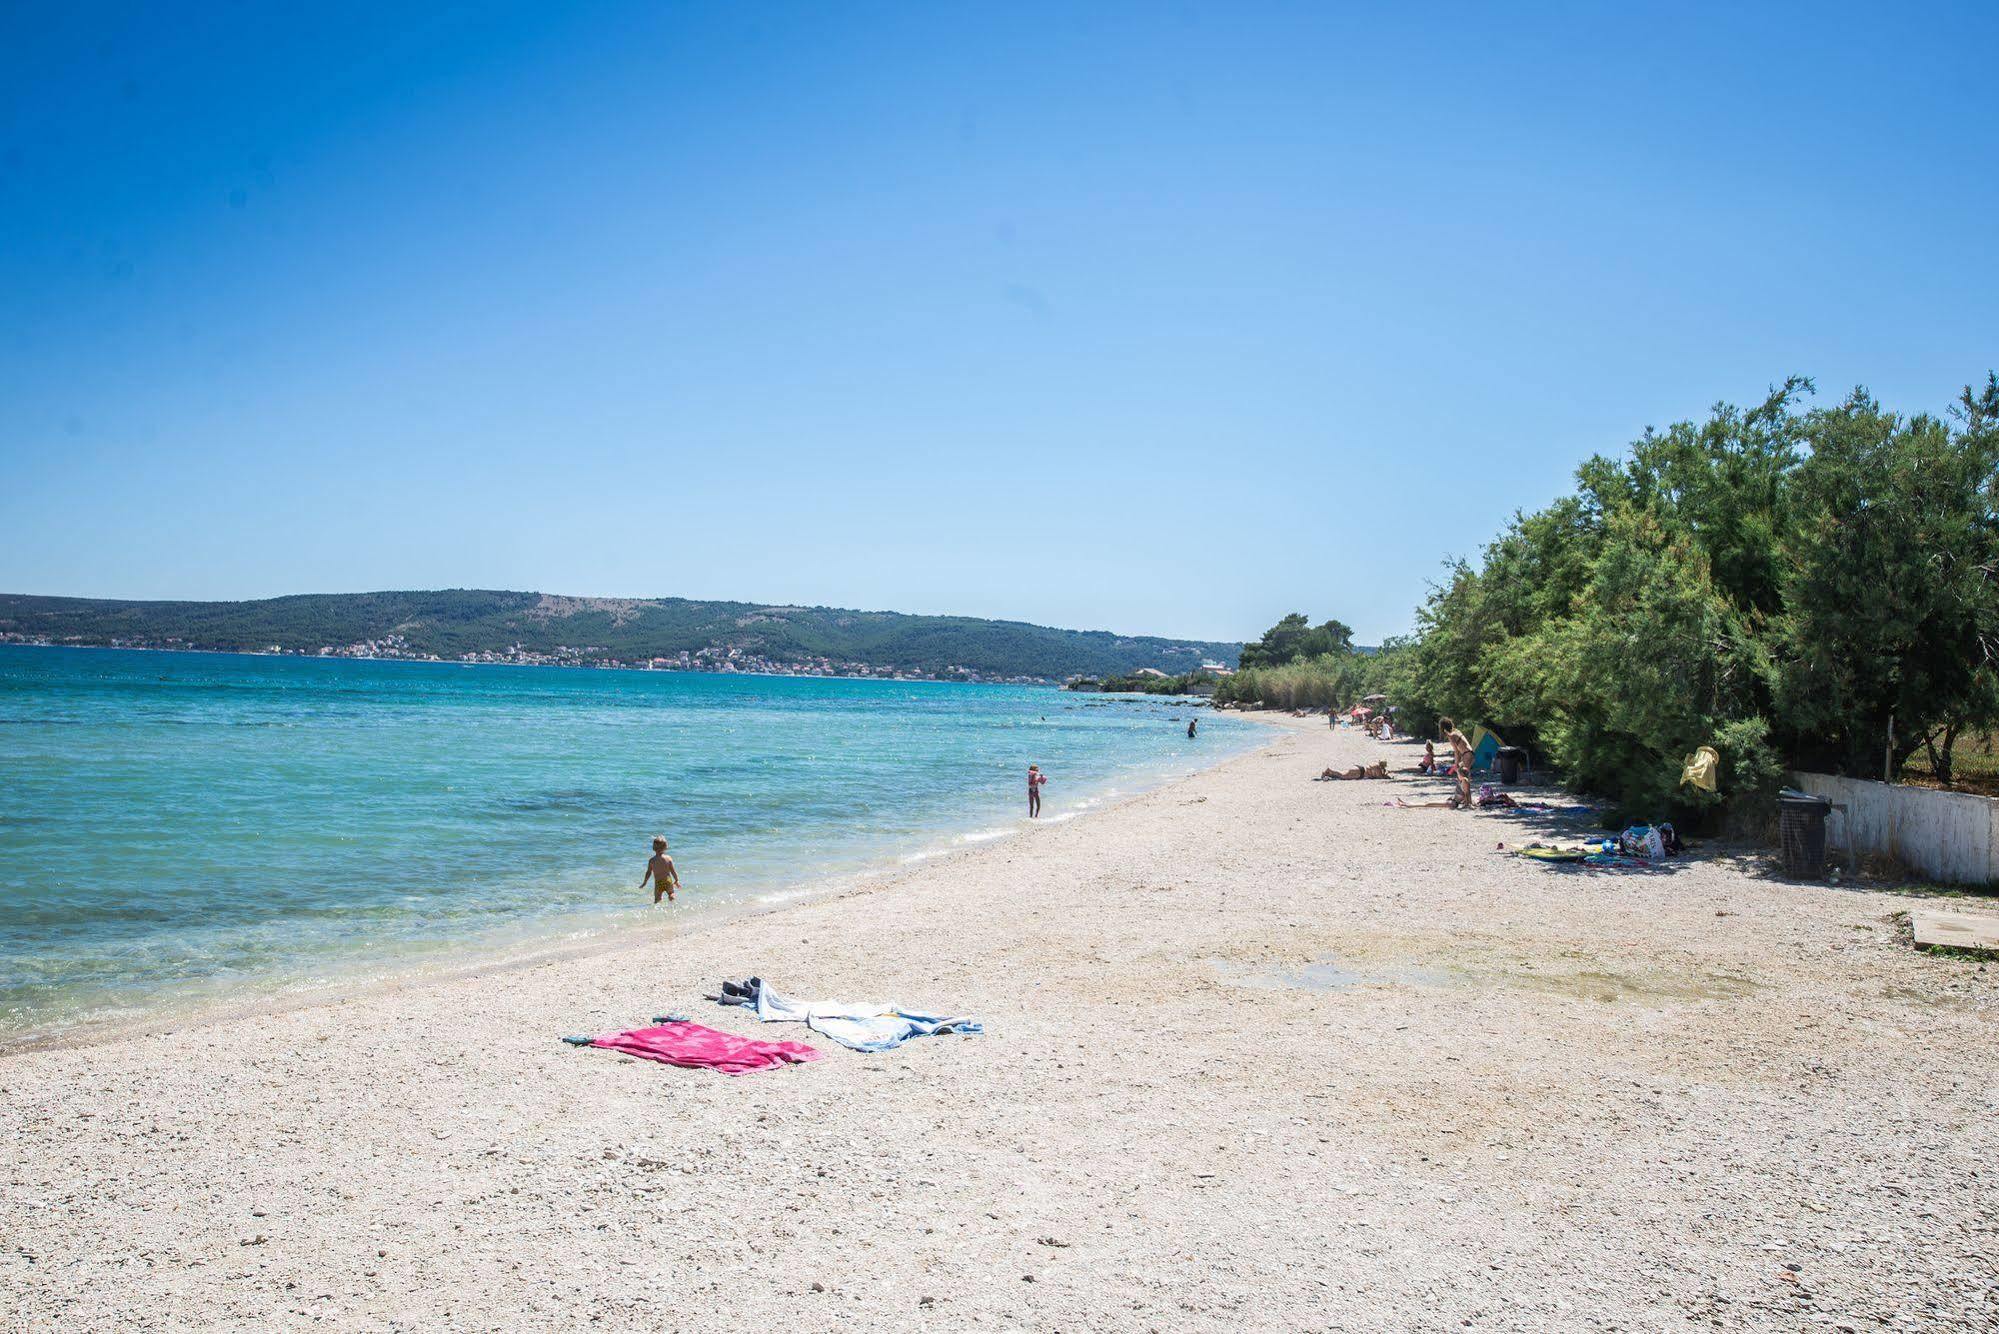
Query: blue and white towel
{"points": [[864, 1027]]}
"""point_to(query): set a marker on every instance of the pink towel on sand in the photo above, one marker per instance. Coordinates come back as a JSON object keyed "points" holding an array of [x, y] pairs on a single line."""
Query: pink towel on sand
{"points": [[700, 1047]]}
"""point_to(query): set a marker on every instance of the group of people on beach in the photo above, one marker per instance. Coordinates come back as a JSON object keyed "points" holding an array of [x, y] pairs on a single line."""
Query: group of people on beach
{"points": [[1461, 766], [1461, 761]]}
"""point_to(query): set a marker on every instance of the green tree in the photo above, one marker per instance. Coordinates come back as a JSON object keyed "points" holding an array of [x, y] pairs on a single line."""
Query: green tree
{"points": [[1655, 662], [1719, 483], [1279, 643], [1327, 639], [1442, 674], [1295, 638], [1889, 583]]}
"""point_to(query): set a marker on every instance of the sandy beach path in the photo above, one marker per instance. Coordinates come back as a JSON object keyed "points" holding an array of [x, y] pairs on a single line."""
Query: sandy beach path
{"points": [[1259, 1052]]}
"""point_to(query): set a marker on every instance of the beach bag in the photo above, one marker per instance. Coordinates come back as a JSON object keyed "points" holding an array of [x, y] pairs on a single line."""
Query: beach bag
{"points": [[1642, 840]]}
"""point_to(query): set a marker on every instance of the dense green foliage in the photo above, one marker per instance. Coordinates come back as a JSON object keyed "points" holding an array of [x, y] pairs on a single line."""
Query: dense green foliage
{"points": [[458, 622], [1776, 582], [1294, 638], [1779, 583]]}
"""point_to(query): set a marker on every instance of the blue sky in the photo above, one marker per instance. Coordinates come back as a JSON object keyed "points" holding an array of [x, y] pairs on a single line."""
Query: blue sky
{"points": [[1160, 318]]}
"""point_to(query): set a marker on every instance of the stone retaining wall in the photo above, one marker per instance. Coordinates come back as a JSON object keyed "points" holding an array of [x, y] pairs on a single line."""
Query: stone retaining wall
{"points": [[1953, 836]]}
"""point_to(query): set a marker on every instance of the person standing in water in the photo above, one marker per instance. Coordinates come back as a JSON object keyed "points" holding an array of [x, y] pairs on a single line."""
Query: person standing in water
{"points": [[1035, 778], [665, 880], [1190, 725]]}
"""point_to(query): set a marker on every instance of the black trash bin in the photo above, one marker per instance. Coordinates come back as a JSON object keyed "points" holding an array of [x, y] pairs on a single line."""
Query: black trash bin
{"points": [[1512, 760], [1801, 829]]}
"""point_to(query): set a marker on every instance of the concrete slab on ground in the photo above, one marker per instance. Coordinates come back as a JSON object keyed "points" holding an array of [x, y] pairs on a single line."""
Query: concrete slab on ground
{"points": [[1959, 930]]}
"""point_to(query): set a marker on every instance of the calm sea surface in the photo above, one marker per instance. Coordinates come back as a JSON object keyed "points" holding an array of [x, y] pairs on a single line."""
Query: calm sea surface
{"points": [[177, 828]]}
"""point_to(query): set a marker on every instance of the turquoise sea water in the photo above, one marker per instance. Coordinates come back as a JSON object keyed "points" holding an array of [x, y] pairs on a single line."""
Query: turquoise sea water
{"points": [[182, 827]]}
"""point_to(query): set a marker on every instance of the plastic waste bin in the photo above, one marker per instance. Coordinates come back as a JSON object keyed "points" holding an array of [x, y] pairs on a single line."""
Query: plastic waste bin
{"points": [[1512, 760], [1801, 829]]}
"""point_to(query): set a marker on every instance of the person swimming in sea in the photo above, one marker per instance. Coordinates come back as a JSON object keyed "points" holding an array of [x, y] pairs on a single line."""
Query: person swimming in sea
{"points": [[661, 873], [1035, 778]]}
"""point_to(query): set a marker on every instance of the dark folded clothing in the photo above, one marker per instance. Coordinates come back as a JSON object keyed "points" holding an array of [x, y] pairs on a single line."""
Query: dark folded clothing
{"points": [[740, 993]]}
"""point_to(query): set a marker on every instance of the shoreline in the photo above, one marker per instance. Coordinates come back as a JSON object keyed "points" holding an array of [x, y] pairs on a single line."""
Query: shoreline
{"points": [[471, 959], [1258, 1051]]}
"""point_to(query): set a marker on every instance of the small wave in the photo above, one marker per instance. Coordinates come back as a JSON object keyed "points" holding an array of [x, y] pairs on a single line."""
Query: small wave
{"points": [[984, 835]]}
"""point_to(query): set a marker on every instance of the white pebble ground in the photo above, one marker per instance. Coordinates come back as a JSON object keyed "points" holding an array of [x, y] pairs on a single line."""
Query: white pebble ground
{"points": [[1260, 1053]]}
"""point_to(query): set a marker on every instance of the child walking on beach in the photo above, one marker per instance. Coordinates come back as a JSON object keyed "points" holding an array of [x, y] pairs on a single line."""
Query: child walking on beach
{"points": [[1035, 778], [660, 872]]}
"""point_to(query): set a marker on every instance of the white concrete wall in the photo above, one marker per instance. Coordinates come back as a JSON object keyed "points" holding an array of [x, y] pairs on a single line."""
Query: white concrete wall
{"points": [[1953, 836]]}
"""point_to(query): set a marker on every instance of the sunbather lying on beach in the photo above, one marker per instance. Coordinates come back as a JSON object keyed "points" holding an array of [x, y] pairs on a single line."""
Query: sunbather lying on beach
{"points": [[1488, 799], [1379, 769]]}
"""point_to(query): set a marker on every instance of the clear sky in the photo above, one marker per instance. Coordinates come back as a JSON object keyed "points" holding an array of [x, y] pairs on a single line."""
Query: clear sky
{"points": [[1159, 318]]}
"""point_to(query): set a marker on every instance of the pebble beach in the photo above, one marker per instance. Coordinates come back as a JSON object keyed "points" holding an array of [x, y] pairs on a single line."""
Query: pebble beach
{"points": [[1258, 1051]]}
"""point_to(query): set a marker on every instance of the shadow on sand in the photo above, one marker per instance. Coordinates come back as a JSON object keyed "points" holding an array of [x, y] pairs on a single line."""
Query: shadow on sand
{"points": [[1768, 864], [1555, 818]]}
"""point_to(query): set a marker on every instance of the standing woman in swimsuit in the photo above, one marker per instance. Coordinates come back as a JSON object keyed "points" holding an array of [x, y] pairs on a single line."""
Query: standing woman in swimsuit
{"points": [[1461, 757], [1035, 778]]}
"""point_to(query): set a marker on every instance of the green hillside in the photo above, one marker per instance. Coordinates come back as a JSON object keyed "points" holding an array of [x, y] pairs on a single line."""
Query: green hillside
{"points": [[459, 623]]}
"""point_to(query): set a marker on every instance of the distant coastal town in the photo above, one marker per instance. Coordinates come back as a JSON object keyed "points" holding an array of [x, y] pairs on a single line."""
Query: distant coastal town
{"points": [[395, 648], [529, 629]]}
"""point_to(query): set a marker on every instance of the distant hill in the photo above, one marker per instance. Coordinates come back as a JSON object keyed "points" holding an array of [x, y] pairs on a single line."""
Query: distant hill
{"points": [[485, 625]]}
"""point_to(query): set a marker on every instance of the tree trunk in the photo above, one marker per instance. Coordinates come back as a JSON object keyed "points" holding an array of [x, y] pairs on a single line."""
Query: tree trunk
{"points": [[1941, 758]]}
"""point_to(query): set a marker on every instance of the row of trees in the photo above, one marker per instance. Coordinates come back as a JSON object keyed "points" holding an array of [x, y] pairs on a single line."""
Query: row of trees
{"points": [[1796, 587]]}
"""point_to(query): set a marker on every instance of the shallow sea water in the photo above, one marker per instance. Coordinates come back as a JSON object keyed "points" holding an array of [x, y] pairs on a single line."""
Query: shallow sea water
{"points": [[180, 827]]}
